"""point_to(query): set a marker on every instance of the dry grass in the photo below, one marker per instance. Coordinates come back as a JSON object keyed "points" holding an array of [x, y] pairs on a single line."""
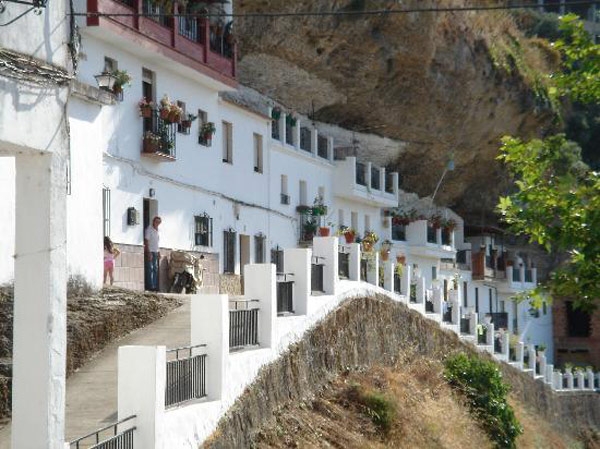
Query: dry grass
{"points": [[428, 414]]}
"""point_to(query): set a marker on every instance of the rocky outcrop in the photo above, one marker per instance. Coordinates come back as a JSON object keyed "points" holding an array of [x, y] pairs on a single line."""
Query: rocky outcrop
{"points": [[449, 82]]}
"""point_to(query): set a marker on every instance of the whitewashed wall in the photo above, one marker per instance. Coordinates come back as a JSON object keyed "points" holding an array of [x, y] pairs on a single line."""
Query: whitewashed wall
{"points": [[7, 224]]}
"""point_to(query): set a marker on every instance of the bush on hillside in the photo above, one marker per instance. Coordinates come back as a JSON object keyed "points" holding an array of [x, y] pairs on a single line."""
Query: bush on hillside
{"points": [[481, 382]]}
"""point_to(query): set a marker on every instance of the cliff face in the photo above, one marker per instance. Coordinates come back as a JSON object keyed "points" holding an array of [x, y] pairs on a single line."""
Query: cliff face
{"points": [[451, 82]]}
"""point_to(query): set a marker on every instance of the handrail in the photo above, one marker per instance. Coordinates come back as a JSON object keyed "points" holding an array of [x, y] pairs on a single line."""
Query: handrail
{"points": [[102, 430]]}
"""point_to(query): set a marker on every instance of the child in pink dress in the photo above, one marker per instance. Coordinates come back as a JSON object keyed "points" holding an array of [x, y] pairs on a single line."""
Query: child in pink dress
{"points": [[110, 253]]}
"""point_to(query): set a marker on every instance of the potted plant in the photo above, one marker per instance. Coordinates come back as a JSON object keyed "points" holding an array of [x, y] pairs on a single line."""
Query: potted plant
{"points": [[400, 259], [276, 113], [309, 229], [541, 349], [384, 252], [450, 224], [175, 113], [369, 240], [435, 221], [291, 120], [348, 233], [165, 107], [324, 231], [152, 142], [207, 130], [122, 79], [319, 208], [186, 123], [146, 107]]}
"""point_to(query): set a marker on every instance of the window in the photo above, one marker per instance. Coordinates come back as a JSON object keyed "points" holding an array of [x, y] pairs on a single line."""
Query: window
{"points": [[465, 294], [277, 259], [227, 142], [354, 220], [203, 232], [341, 218], [367, 223], [106, 211], [302, 192], [578, 321], [229, 238], [259, 248], [148, 92], [476, 299], [110, 64], [433, 273], [204, 137], [258, 153], [285, 198]]}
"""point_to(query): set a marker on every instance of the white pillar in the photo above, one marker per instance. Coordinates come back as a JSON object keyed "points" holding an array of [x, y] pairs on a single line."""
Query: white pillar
{"points": [[580, 380], [368, 176], [389, 268], [314, 138], [330, 149], [373, 269], [326, 248], [142, 373], [209, 325], [473, 324], [297, 262], [259, 283], [542, 360], [558, 381], [455, 302], [522, 274], [354, 262], [549, 373], [532, 359], [590, 377], [506, 346], [406, 276], [569, 376], [489, 334], [39, 329], [382, 179], [437, 300], [520, 353], [421, 290]]}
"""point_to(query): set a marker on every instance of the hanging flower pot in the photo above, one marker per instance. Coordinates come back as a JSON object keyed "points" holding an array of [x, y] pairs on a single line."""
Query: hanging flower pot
{"points": [[146, 112], [324, 231], [174, 116], [164, 113]]}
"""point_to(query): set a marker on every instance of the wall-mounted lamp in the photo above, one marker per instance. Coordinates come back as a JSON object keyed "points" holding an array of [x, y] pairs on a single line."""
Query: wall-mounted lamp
{"points": [[133, 216], [151, 193], [106, 80]]}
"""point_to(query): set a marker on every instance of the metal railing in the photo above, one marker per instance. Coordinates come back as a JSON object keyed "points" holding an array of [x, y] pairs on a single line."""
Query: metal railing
{"points": [[375, 179], [305, 139], [431, 234], [160, 135], [118, 440], [447, 315], [446, 237], [289, 134], [465, 324], [156, 13], [344, 265], [316, 275], [364, 267], [397, 283], [360, 174], [285, 198], [500, 320], [188, 27], [186, 377], [285, 294], [398, 232], [243, 324], [322, 147], [497, 344], [482, 337], [428, 305]]}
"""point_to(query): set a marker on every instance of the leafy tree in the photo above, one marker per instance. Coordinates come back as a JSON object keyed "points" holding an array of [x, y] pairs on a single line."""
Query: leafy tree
{"points": [[557, 204]]}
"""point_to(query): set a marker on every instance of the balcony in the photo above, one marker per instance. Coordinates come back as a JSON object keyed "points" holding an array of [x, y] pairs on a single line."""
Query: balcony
{"points": [[359, 181], [426, 241], [193, 42], [159, 139]]}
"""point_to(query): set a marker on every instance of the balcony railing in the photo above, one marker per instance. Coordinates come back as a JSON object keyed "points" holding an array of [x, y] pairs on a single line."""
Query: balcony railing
{"points": [[364, 267], [289, 133], [194, 39], [305, 139], [500, 320], [159, 138], [360, 174], [186, 376], [446, 234], [322, 147], [120, 440], [344, 265], [375, 179], [285, 294], [316, 278], [516, 276], [243, 324], [397, 283]]}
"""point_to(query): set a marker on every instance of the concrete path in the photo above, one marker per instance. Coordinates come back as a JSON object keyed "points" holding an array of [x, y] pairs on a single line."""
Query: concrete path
{"points": [[92, 390]]}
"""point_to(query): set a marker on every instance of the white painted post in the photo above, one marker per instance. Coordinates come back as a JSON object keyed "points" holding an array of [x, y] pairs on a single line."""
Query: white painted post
{"points": [[406, 276], [532, 359], [39, 330], [259, 283], [522, 274], [580, 380], [297, 262], [142, 374], [455, 314], [506, 346], [296, 132], [326, 248], [509, 274], [569, 376], [368, 176], [388, 275], [382, 179], [558, 381], [373, 269], [421, 290], [209, 325], [590, 378], [354, 262], [549, 370], [534, 275], [490, 334], [437, 300], [314, 137], [542, 361], [520, 352], [473, 324]]}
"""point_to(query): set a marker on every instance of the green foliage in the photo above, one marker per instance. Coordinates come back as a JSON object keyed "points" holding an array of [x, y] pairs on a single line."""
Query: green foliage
{"points": [[481, 382], [579, 78], [557, 204], [379, 408]]}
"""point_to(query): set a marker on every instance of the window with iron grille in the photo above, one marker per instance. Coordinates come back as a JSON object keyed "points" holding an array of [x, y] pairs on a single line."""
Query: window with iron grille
{"points": [[203, 232], [106, 211], [277, 259], [229, 239], [259, 248]]}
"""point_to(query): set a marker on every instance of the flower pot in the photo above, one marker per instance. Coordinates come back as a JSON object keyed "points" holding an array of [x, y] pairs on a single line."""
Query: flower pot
{"points": [[150, 146], [367, 246], [401, 259], [174, 117], [164, 114], [324, 231], [349, 236], [186, 124], [146, 111], [385, 255]]}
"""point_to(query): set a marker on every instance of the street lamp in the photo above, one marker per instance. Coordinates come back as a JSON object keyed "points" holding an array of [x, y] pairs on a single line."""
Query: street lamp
{"points": [[106, 80], [449, 167]]}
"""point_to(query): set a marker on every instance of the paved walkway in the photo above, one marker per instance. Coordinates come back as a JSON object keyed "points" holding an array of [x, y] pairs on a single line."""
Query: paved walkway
{"points": [[92, 390]]}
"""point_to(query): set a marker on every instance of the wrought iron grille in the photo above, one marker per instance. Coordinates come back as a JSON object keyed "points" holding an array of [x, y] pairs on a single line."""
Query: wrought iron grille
{"points": [[285, 294], [305, 139], [243, 324], [344, 265], [397, 283], [465, 325], [316, 278], [364, 267], [188, 27], [389, 183], [275, 134], [119, 440], [431, 234], [186, 377]]}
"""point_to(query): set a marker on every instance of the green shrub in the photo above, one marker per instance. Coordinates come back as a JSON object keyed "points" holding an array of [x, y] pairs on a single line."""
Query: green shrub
{"points": [[481, 382], [381, 410]]}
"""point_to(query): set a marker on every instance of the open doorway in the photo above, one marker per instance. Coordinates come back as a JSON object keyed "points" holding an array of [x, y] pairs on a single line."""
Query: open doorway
{"points": [[150, 211], [244, 252]]}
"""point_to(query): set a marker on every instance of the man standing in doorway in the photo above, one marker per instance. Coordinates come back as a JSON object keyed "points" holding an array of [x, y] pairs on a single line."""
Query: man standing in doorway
{"points": [[152, 254]]}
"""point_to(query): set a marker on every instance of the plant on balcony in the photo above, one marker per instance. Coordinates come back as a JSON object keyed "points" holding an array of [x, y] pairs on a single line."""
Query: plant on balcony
{"points": [[169, 112], [319, 207], [309, 229], [435, 221], [291, 120], [186, 123], [384, 252], [152, 142], [146, 107], [276, 113], [122, 79], [369, 240], [207, 130], [303, 209], [449, 225], [348, 233], [404, 218]]}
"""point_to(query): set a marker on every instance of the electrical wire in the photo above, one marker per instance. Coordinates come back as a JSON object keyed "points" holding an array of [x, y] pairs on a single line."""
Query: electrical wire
{"points": [[18, 17], [340, 13]]}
